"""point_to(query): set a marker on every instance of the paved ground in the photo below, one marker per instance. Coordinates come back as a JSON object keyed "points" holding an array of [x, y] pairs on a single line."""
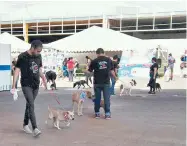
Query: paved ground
{"points": [[141, 120]]}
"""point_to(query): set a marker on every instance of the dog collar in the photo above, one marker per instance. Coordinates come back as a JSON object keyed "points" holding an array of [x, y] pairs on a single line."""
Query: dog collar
{"points": [[66, 116]]}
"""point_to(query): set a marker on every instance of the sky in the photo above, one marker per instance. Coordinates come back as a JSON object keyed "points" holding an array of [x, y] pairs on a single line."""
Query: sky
{"points": [[40, 9]]}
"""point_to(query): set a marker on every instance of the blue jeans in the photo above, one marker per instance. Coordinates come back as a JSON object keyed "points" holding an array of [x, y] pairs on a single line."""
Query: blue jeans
{"points": [[70, 73], [105, 88], [113, 85]]}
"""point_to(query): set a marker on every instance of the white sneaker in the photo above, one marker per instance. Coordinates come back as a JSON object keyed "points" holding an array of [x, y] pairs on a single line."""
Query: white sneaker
{"points": [[27, 129], [36, 132]]}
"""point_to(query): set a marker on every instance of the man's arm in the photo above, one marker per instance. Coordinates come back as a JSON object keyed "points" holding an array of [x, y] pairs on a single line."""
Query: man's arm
{"points": [[41, 73], [112, 69], [43, 77], [114, 74], [155, 72], [15, 77]]}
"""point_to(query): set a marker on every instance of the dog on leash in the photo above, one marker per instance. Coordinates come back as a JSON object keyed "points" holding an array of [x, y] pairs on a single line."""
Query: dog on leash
{"points": [[157, 87], [127, 87], [79, 97], [58, 115], [80, 83]]}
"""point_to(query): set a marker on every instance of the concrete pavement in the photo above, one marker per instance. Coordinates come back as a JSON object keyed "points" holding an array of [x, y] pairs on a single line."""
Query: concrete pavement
{"points": [[141, 120]]}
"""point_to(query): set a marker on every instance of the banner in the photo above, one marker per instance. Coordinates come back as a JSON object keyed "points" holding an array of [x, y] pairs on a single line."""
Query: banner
{"points": [[52, 59], [134, 70], [134, 65]]}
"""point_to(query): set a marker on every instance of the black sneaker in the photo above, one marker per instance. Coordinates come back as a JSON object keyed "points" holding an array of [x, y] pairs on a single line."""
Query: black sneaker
{"points": [[149, 92], [107, 117], [97, 116], [153, 92]]}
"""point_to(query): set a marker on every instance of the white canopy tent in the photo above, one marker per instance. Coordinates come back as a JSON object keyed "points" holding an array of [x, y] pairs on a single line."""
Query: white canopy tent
{"points": [[95, 37], [16, 43]]}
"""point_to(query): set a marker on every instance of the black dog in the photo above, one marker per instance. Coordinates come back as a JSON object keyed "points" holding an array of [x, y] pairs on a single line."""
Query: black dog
{"points": [[79, 83], [51, 76], [158, 87]]}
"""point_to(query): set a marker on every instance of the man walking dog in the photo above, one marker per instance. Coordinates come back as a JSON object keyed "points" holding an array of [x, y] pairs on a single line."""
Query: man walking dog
{"points": [[102, 67], [29, 63]]}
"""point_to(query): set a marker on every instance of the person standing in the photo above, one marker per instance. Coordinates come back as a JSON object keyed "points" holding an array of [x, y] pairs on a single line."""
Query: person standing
{"points": [[88, 75], [102, 67], [171, 61], [76, 67], [29, 63], [113, 80], [183, 64], [153, 75], [70, 66], [64, 68]]}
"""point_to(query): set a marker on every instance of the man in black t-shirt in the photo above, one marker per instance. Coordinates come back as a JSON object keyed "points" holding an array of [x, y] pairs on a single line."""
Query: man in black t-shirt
{"points": [[153, 75], [102, 67], [113, 80], [29, 63]]}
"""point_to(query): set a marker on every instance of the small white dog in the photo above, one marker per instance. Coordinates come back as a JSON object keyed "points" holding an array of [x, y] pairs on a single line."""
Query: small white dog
{"points": [[127, 87], [58, 115]]}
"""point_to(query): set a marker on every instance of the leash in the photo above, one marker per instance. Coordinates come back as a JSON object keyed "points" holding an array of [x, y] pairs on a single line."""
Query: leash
{"points": [[121, 80], [55, 97]]}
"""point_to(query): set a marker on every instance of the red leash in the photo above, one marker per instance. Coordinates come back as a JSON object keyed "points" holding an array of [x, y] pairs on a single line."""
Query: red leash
{"points": [[55, 97]]}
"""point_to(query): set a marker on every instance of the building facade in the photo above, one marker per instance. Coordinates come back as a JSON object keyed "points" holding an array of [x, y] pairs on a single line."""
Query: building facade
{"points": [[145, 26]]}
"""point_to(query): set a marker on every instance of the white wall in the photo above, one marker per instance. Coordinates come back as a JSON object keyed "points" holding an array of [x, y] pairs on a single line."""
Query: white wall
{"points": [[5, 59]]}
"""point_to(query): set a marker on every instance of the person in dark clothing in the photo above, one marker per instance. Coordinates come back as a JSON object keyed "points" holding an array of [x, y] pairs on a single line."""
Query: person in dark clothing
{"points": [[102, 67], [51, 77], [153, 75], [29, 63], [115, 67]]}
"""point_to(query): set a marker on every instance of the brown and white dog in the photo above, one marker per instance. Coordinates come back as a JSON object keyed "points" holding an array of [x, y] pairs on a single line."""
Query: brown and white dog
{"points": [[58, 115], [127, 87], [79, 97]]}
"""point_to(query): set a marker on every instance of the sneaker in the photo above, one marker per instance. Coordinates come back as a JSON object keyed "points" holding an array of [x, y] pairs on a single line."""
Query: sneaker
{"points": [[107, 117], [27, 129], [97, 115], [153, 92], [150, 92], [36, 132]]}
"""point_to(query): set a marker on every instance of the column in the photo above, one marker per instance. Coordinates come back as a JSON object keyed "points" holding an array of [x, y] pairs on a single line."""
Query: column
{"points": [[25, 31], [104, 21]]}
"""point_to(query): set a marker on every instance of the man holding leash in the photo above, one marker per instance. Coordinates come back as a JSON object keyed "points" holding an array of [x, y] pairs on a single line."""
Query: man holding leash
{"points": [[29, 63], [103, 68]]}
